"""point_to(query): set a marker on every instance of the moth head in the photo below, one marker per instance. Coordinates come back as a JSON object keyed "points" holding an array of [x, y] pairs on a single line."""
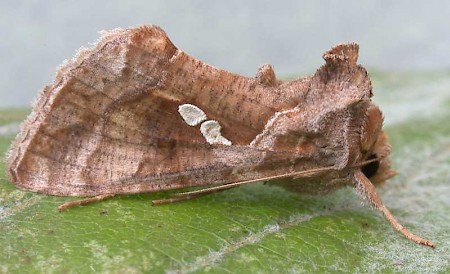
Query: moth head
{"points": [[375, 146]]}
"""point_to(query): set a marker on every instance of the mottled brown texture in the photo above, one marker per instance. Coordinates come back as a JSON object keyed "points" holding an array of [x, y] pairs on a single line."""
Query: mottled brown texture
{"points": [[109, 124]]}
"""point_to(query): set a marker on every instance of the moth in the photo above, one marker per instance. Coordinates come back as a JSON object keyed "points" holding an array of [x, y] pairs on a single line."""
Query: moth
{"points": [[134, 114]]}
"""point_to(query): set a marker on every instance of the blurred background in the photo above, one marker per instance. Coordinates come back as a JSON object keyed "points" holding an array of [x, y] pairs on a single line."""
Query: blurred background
{"points": [[238, 36]]}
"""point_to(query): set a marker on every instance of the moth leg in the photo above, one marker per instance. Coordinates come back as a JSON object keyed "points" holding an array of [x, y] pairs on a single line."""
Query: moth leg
{"points": [[367, 190], [86, 201]]}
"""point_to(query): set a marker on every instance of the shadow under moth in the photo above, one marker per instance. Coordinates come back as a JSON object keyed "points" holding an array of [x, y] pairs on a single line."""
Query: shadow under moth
{"points": [[135, 114]]}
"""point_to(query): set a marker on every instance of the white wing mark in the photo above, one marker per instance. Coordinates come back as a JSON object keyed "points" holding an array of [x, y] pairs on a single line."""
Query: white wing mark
{"points": [[191, 114], [211, 131]]}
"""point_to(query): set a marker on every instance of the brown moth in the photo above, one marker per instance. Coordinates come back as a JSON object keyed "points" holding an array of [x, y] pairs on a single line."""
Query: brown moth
{"points": [[135, 114]]}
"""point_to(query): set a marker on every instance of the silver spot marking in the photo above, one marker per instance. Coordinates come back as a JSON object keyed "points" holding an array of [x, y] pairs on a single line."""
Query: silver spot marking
{"points": [[191, 114], [211, 131]]}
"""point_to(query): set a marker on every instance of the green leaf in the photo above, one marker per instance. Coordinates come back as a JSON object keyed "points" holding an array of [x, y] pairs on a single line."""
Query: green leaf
{"points": [[255, 228]]}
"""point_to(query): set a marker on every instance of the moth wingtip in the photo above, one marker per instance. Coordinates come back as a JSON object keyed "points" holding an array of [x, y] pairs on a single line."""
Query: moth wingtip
{"points": [[153, 39]]}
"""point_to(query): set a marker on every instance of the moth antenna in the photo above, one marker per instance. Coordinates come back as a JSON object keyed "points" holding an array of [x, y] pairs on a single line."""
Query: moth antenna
{"points": [[367, 190], [363, 163], [201, 192], [178, 198], [86, 201], [172, 200], [235, 184]]}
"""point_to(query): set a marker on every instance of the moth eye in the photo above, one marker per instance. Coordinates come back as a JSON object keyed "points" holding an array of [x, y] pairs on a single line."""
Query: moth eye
{"points": [[371, 169]]}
